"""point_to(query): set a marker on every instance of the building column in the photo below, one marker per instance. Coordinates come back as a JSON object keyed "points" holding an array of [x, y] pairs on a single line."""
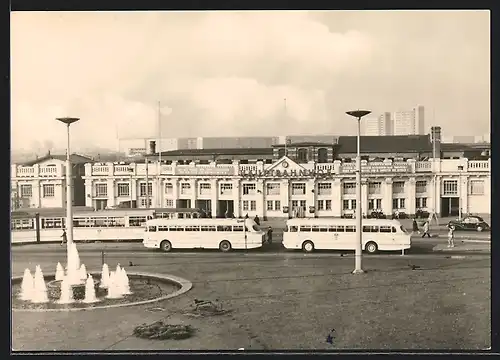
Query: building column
{"points": [[261, 208], [194, 192], [37, 193], [311, 197], [285, 197], [214, 197], [364, 198], [175, 191], [111, 192], [387, 196], [410, 194], [464, 193], [337, 197], [237, 198]]}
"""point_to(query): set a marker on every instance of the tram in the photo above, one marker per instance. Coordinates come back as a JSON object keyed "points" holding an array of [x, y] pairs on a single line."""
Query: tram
{"points": [[46, 225]]}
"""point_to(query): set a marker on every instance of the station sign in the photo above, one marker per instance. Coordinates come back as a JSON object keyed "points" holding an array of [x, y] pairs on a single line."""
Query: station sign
{"points": [[303, 173], [204, 171], [377, 168]]}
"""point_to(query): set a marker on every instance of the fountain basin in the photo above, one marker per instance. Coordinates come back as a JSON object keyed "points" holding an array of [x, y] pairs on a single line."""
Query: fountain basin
{"points": [[146, 288], [54, 289]]}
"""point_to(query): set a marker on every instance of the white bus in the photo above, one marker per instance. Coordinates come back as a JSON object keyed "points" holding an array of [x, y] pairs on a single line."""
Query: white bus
{"points": [[202, 233], [340, 234]]}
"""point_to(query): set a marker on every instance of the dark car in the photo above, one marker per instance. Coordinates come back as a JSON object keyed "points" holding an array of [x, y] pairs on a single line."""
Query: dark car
{"points": [[470, 223]]}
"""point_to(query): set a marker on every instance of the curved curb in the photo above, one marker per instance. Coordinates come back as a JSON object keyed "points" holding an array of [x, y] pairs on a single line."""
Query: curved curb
{"points": [[186, 285]]}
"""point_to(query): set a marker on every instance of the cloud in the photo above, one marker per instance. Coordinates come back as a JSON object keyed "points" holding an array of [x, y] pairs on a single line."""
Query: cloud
{"points": [[217, 73]]}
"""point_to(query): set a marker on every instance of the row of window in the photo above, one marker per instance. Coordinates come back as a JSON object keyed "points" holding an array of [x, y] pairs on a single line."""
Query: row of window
{"points": [[341, 228], [222, 228], [59, 223], [450, 187]]}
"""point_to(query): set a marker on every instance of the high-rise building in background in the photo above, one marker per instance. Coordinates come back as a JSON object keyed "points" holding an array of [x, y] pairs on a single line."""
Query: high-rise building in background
{"points": [[410, 122], [377, 126]]}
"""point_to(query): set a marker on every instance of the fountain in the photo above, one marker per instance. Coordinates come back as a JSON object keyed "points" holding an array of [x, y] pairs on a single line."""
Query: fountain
{"points": [[104, 276], [27, 286], [59, 272], [40, 289], [66, 292], [113, 287], [125, 283], [90, 291], [83, 272], [73, 283]]}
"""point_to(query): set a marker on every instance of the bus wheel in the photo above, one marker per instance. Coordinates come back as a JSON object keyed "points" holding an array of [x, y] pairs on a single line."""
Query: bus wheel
{"points": [[371, 247], [166, 246], [308, 246], [225, 246]]}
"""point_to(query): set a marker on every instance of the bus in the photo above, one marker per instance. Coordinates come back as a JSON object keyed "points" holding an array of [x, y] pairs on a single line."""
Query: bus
{"points": [[340, 234], [203, 233], [46, 225]]}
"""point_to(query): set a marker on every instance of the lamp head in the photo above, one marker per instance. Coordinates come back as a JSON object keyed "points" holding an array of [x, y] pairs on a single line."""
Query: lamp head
{"points": [[68, 120], [358, 113]]}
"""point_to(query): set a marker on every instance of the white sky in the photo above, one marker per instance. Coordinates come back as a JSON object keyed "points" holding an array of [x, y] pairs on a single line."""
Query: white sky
{"points": [[227, 73]]}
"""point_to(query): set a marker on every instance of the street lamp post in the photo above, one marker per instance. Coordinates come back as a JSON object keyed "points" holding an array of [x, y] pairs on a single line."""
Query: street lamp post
{"points": [[69, 188], [358, 114]]}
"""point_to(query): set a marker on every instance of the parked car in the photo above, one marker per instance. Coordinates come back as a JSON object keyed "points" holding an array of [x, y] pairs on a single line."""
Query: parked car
{"points": [[468, 223], [376, 215]]}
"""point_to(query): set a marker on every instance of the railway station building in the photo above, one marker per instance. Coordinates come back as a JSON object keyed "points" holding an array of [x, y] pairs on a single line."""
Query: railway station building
{"points": [[299, 179]]}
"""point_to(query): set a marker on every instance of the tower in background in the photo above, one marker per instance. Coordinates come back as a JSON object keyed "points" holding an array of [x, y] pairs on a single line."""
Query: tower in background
{"points": [[377, 126], [410, 122]]}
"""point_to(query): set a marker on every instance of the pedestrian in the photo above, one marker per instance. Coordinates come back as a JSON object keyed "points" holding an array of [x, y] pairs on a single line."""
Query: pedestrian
{"points": [[226, 214], [451, 236], [426, 230], [246, 216], [256, 219], [269, 235], [415, 226], [64, 237]]}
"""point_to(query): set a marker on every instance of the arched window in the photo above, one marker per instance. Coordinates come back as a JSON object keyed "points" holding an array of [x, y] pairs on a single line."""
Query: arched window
{"points": [[322, 155], [302, 155], [281, 153]]}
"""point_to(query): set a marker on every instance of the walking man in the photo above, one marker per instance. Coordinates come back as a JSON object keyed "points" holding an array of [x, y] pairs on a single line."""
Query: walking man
{"points": [[269, 235], [451, 236], [426, 230], [64, 237], [415, 227]]}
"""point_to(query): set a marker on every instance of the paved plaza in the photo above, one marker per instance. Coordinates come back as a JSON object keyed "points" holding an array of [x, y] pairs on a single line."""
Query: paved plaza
{"points": [[279, 300]]}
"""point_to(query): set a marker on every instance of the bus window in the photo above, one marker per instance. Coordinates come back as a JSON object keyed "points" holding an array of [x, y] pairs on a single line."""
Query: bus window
{"points": [[331, 228], [293, 229], [152, 228], [172, 228], [305, 228], [195, 228], [180, 215], [212, 228], [116, 222], [134, 221], [162, 228], [385, 229], [237, 228], [180, 228], [370, 228], [323, 229], [350, 228], [393, 229], [220, 228], [315, 228], [18, 224], [340, 228], [204, 228], [52, 223]]}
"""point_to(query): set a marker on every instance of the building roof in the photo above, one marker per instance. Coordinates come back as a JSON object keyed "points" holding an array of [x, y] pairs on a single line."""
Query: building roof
{"points": [[464, 147], [305, 143], [385, 144], [75, 159], [237, 151]]}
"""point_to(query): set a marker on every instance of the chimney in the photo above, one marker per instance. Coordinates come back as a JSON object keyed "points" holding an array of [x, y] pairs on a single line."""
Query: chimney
{"points": [[152, 147], [435, 138]]}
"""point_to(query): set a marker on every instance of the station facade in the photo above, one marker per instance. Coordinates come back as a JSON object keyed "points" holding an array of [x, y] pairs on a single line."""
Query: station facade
{"points": [[399, 173]]}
